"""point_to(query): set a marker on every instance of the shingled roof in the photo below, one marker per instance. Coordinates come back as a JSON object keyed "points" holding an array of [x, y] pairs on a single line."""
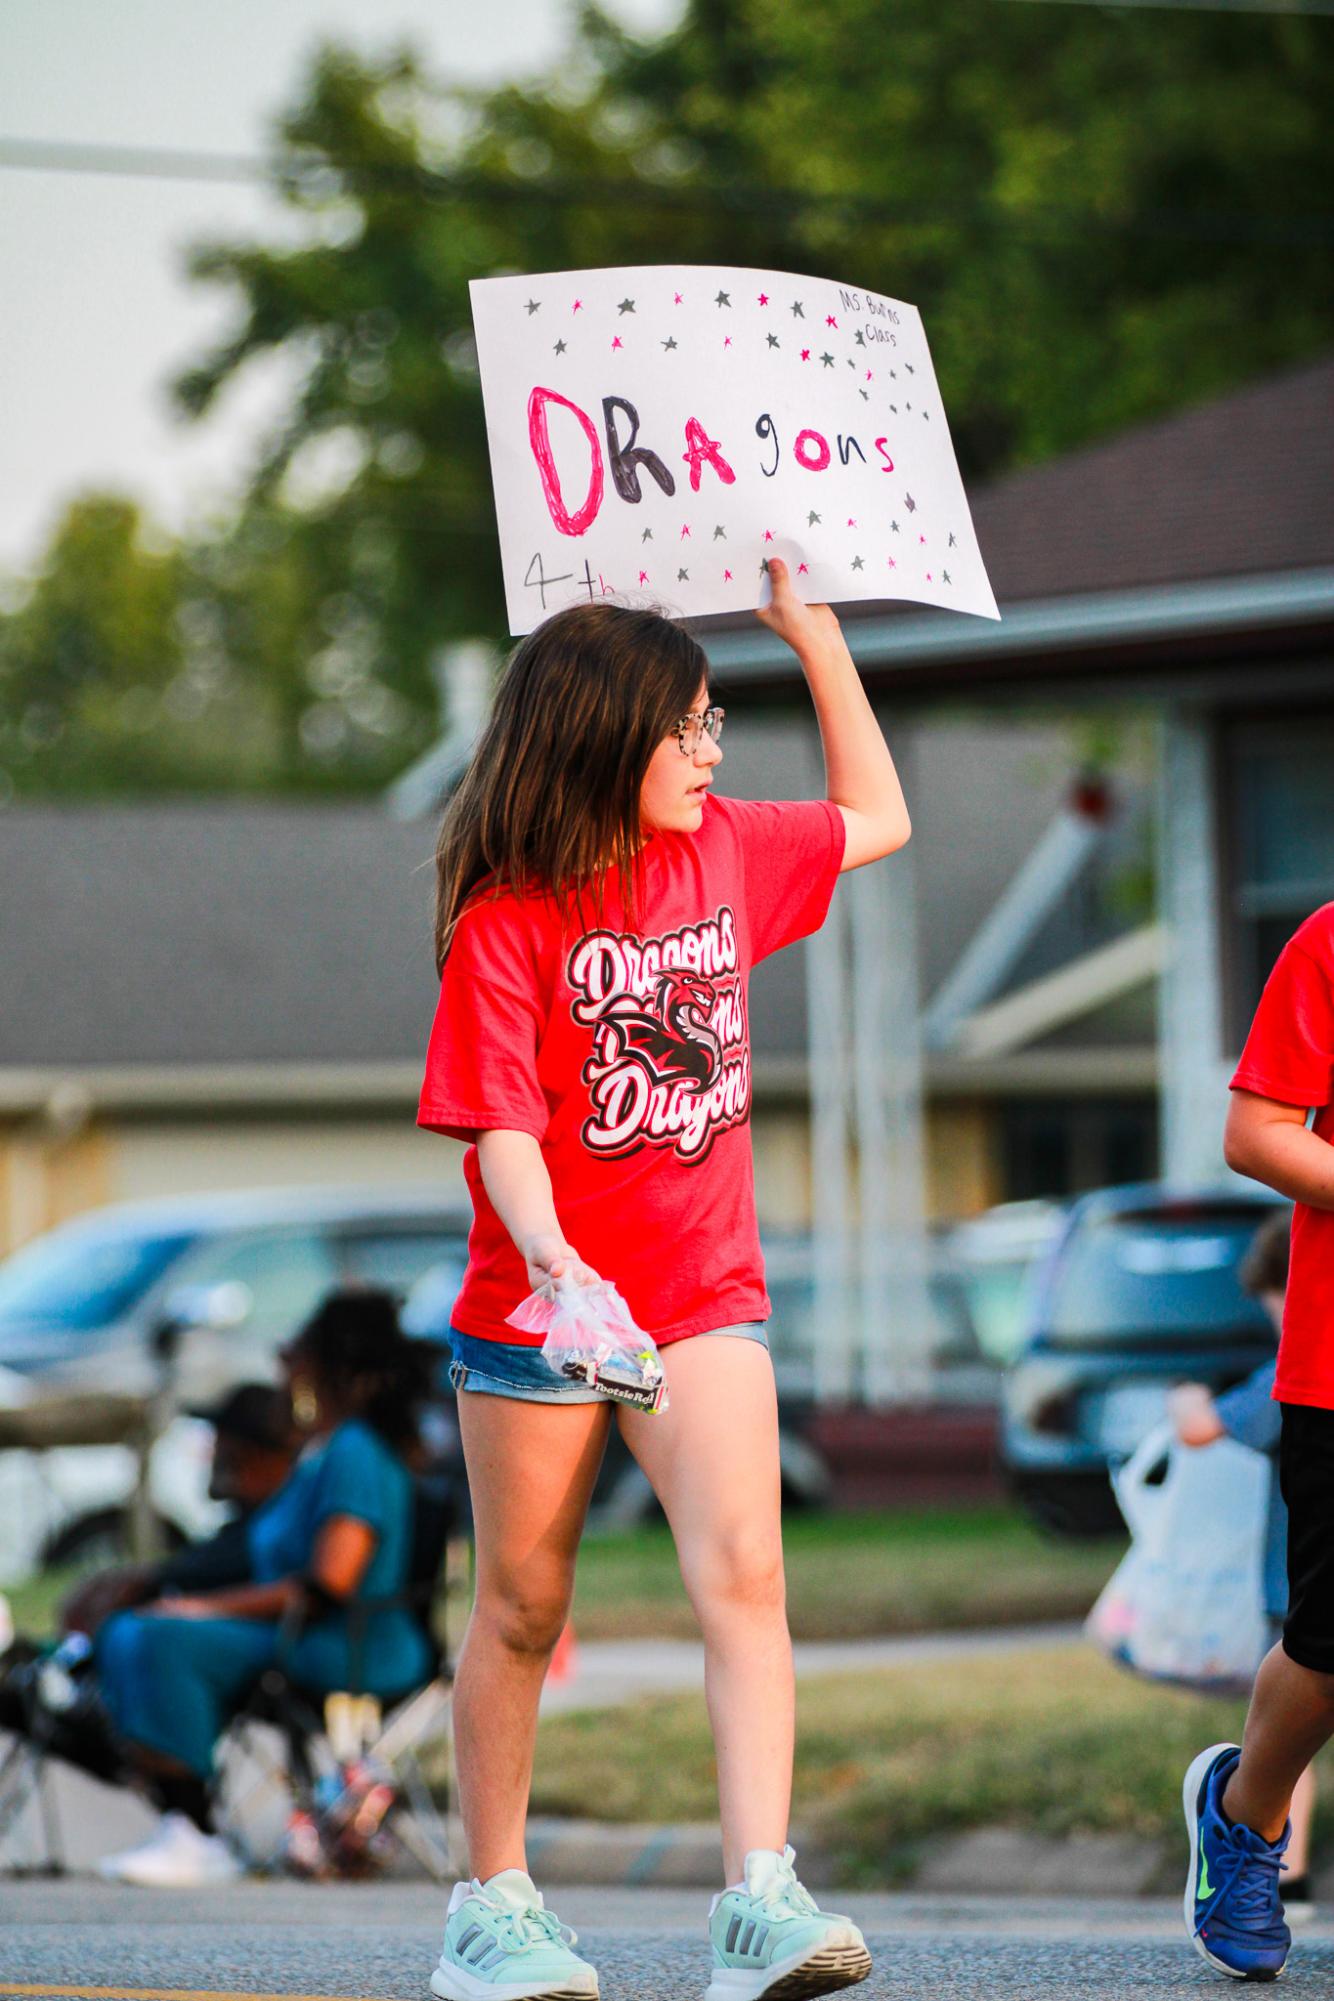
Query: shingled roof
{"points": [[1237, 486], [211, 932]]}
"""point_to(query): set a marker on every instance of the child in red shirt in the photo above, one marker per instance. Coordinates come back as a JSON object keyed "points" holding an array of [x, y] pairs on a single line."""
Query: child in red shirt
{"points": [[1237, 1799], [598, 914]]}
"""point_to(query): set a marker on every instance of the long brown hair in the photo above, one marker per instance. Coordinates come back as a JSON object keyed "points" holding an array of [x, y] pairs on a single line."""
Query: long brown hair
{"points": [[550, 799]]}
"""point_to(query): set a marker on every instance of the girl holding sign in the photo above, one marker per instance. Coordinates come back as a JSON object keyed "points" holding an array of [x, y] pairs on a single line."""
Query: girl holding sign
{"points": [[598, 913]]}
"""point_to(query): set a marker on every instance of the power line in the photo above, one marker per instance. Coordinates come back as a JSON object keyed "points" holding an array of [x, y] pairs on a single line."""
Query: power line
{"points": [[321, 173], [1276, 9]]}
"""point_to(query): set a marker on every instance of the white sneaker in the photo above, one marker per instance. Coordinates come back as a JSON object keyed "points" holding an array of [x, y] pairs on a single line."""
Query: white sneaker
{"points": [[176, 1855]]}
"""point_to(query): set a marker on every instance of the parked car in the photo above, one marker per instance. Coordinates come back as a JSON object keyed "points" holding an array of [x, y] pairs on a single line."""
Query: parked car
{"points": [[179, 1297], [1139, 1291]]}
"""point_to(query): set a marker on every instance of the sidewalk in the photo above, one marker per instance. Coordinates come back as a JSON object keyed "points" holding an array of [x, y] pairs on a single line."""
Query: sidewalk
{"points": [[611, 1671]]}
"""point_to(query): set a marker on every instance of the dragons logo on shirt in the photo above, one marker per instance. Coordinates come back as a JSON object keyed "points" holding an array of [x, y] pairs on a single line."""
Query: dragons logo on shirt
{"points": [[669, 1033], [670, 1061]]}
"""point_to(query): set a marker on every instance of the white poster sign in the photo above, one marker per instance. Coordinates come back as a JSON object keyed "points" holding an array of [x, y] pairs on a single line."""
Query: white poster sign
{"points": [[657, 432]]}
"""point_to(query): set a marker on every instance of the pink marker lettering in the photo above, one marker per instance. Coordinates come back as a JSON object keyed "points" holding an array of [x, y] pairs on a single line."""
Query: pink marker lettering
{"points": [[540, 440], [801, 448], [699, 447]]}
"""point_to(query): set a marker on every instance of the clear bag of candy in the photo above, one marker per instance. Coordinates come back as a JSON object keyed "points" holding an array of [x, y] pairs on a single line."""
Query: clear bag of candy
{"points": [[588, 1336]]}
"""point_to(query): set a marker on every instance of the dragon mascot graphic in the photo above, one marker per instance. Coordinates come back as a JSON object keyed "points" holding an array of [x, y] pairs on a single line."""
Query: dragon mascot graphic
{"points": [[670, 1059], [668, 1033]]}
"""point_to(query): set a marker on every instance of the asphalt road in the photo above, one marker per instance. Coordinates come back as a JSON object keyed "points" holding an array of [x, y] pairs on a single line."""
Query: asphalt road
{"points": [[85, 1939]]}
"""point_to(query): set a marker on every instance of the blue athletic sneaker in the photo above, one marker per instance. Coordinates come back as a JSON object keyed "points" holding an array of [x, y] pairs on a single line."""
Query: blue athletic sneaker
{"points": [[502, 1944], [770, 1937], [1233, 1912]]}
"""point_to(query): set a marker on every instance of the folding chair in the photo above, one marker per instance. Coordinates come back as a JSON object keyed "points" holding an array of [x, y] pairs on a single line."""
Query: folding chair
{"points": [[80, 1737], [313, 1785]]}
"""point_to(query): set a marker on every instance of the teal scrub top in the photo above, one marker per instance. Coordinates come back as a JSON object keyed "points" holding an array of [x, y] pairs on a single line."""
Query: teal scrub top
{"points": [[352, 1472]]}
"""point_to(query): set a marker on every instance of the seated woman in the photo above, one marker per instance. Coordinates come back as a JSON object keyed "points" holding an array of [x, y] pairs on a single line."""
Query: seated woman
{"points": [[338, 1531]]}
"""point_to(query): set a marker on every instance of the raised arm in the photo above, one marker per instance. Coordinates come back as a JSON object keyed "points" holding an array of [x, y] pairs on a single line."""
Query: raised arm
{"points": [[1272, 1143], [860, 778], [515, 1176]]}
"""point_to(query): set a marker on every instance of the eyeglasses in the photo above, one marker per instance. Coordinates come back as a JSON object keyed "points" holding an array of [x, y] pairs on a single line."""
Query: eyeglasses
{"points": [[693, 727]]}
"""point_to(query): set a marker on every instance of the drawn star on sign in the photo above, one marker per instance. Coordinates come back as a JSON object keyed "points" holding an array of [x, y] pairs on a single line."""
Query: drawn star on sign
{"points": [[560, 347], [626, 306], [805, 354], [764, 298], [860, 338], [812, 519], [669, 342], [683, 576], [532, 306], [647, 535], [772, 339], [945, 576], [723, 299], [953, 543], [857, 563], [828, 360], [797, 312], [829, 320], [720, 533], [910, 503]]}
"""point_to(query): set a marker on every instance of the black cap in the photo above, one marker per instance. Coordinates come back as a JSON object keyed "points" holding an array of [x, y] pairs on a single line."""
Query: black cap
{"points": [[256, 1412]]}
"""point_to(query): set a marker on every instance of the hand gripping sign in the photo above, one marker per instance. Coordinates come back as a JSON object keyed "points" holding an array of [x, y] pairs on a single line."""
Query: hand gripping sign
{"points": [[659, 431]]}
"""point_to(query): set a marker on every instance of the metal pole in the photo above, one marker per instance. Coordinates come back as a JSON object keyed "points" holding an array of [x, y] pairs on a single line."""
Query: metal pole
{"points": [[831, 1195], [1193, 1086], [896, 1317]]}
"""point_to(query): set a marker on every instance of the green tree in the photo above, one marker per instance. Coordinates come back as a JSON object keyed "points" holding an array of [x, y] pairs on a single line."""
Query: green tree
{"points": [[87, 659], [1102, 215]]}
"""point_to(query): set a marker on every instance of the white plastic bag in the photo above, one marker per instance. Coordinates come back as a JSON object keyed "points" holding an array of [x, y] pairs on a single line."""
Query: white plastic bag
{"points": [[1186, 1603], [588, 1335]]}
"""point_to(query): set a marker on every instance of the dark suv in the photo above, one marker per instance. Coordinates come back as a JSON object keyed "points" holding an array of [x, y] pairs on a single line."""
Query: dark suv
{"points": [[1139, 1291]]}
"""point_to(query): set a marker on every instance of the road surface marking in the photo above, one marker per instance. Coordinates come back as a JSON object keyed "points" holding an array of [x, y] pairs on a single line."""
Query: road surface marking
{"points": [[45, 1993]]}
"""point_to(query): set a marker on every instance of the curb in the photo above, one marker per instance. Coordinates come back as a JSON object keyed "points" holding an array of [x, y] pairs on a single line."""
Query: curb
{"points": [[987, 1861]]}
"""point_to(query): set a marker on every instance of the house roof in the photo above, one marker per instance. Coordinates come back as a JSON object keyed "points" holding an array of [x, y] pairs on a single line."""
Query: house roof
{"points": [[213, 932], [280, 947], [1237, 486]]}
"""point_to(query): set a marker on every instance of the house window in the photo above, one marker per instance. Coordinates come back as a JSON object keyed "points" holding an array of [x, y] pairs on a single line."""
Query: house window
{"points": [[1065, 1146], [1278, 795]]}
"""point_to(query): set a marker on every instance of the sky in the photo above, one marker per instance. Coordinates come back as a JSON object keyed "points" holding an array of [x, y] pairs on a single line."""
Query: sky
{"points": [[96, 313]]}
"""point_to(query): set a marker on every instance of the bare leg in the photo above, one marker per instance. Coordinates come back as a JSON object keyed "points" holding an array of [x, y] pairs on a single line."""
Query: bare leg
{"points": [[1291, 1717], [712, 1458], [531, 1469], [1303, 1812]]}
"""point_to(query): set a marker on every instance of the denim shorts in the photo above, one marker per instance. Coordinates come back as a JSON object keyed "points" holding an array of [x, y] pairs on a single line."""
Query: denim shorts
{"points": [[509, 1369]]}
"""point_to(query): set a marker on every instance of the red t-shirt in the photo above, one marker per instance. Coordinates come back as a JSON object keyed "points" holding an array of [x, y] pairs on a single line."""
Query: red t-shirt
{"points": [[627, 1054], [1289, 1056]]}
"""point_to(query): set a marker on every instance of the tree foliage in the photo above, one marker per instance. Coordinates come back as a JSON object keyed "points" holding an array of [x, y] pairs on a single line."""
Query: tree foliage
{"points": [[1102, 214]]}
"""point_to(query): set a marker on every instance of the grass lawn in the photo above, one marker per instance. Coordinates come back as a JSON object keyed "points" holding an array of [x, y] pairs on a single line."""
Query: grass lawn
{"points": [[34, 1603], [900, 1571], [1052, 1741], [909, 1570]]}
